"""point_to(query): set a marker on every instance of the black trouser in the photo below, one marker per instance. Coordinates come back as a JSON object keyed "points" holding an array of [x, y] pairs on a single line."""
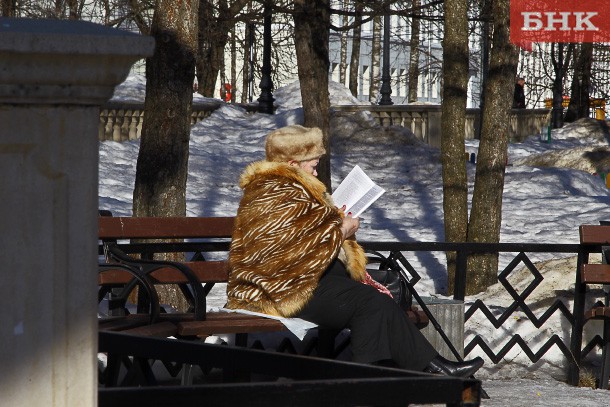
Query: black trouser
{"points": [[380, 330]]}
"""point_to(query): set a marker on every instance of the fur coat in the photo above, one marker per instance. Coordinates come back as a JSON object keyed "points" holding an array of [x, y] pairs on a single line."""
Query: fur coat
{"points": [[287, 232]]}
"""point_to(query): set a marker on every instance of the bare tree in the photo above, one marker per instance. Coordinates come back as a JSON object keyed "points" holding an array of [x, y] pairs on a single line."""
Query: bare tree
{"points": [[247, 72], [343, 54], [355, 55], [453, 124], [375, 60], [486, 213], [560, 63], [216, 19], [7, 8], [161, 172], [312, 27], [413, 75], [581, 83]]}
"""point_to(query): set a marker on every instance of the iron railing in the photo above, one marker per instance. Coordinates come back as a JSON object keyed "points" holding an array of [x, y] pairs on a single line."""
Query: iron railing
{"points": [[515, 255], [570, 345]]}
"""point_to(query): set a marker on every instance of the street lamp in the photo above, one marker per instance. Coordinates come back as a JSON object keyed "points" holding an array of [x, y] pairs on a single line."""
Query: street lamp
{"points": [[265, 100], [386, 89]]}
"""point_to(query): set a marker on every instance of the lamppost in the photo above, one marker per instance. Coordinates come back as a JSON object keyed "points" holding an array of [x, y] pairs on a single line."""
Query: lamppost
{"points": [[386, 89], [265, 100]]}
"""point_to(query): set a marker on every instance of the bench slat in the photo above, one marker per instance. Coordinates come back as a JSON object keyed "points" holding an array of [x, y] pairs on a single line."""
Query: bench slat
{"points": [[164, 228], [595, 274], [229, 326], [121, 323], [594, 234], [598, 313], [159, 330], [206, 271]]}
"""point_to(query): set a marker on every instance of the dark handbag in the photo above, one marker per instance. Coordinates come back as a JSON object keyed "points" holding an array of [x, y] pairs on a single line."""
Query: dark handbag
{"points": [[386, 274]]}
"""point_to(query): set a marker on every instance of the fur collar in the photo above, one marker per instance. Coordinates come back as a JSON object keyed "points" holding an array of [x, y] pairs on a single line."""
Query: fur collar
{"points": [[274, 169]]}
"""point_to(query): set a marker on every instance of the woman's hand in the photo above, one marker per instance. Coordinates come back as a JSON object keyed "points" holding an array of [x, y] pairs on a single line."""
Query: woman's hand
{"points": [[349, 226]]}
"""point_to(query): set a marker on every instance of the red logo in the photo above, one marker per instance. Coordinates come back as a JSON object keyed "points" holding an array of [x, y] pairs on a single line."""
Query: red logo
{"points": [[559, 21]]}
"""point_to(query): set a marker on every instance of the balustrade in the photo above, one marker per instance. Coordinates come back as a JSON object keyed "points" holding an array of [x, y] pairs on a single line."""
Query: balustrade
{"points": [[123, 121]]}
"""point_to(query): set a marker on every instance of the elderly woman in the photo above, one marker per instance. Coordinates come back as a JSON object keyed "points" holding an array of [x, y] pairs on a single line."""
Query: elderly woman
{"points": [[293, 254]]}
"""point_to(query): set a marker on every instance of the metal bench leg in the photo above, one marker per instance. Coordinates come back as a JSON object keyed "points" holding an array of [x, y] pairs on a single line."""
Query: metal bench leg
{"points": [[577, 327], [234, 375], [187, 374], [605, 371]]}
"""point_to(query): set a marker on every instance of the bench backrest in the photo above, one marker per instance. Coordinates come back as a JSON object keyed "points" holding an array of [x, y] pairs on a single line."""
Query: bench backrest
{"points": [[206, 229], [595, 235], [164, 228]]}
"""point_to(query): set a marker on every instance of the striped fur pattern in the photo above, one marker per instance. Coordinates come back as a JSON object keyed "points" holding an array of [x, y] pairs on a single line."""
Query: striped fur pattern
{"points": [[286, 233]]}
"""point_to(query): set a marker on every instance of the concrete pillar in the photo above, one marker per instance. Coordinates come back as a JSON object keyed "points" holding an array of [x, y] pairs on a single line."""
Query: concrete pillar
{"points": [[53, 77]]}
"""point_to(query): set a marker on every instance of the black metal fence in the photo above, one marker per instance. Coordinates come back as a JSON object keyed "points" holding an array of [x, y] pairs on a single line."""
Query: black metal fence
{"points": [[520, 254], [258, 378]]}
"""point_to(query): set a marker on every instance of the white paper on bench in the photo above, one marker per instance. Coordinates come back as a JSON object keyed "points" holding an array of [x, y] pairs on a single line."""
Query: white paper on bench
{"points": [[297, 326]]}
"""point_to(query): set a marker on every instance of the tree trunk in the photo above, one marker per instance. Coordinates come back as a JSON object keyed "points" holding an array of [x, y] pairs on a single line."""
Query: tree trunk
{"points": [[233, 65], [135, 8], [161, 172], [211, 42], [343, 55], [7, 8], [247, 71], [581, 83], [486, 212], [560, 63], [212, 39], [375, 60], [413, 75], [74, 11], [354, 63], [453, 127], [311, 28]]}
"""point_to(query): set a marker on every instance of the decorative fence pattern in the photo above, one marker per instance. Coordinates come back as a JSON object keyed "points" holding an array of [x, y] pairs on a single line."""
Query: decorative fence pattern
{"points": [[520, 299]]}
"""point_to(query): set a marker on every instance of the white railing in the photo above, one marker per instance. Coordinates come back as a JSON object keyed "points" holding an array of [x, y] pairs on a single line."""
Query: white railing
{"points": [[425, 120], [123, 121]]}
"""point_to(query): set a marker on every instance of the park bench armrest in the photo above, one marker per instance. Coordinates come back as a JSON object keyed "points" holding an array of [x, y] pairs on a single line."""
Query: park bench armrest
{"points": [[147, 267]]}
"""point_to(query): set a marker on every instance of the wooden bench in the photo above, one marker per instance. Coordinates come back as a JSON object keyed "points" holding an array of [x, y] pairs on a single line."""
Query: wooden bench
{"points": [[593, 238], [208, 244]]}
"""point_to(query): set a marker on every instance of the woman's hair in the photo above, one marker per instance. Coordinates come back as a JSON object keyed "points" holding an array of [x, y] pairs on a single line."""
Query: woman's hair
{"points": [[294, 142]]}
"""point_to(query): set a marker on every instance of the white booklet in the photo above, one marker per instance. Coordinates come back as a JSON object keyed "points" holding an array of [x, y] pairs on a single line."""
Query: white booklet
{"points": [[357, 192]]}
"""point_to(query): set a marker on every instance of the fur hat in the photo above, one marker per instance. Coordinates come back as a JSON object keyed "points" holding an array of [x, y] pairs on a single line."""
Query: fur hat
{"points": [[294, 143]]}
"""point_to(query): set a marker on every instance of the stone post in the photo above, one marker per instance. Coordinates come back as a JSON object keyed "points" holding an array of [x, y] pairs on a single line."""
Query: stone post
{"points": [[450, 316], [54, 75]]}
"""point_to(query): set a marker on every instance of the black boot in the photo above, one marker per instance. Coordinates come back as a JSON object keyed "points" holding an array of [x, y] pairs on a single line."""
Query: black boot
{"points": [[443, 366]]}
